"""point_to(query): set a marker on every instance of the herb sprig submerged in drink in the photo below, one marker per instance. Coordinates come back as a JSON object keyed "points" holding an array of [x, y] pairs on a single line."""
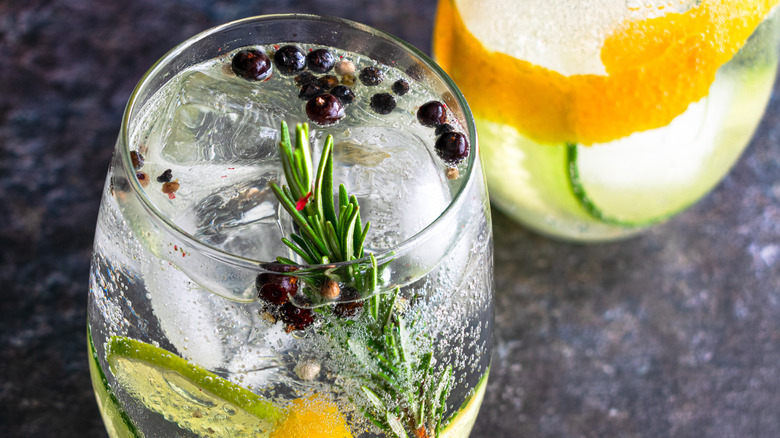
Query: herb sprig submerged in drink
{"points": [[370, 311]]}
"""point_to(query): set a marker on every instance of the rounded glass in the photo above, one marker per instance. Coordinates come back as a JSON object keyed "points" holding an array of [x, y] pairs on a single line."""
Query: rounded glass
{"points": [[211, 311], [599, 119]]}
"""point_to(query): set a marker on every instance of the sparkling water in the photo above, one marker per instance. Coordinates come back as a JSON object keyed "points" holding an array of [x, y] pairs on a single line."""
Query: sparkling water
{"points": [[218, 133]]}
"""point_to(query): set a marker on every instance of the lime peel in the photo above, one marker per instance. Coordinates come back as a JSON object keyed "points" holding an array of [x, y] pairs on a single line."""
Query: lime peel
{"points": [[117, 420], [461, 422]]}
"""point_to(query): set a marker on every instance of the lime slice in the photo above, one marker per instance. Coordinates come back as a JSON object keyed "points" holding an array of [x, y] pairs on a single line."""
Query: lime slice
{"points": [[117, 422], [462, 421], [649, 176], [187, 394]]}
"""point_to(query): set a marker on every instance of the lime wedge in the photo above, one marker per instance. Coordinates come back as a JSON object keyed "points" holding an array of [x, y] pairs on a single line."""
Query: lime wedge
{"points": [[462, 421], [187, 394], [117, 422]]}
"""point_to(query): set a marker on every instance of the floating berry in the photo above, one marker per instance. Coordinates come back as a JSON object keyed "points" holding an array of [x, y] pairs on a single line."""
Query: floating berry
{"points": [[137, 159], [370, 76], [170, 187], [273, 293], [289, 60], [320, 61], [310, 90], [327, 82], [383, 103], [345, 67], [143, 179], [251, 64], [325, 109], [296, 318], [444, 127], [452, 147], [330, 290], [165, 176], [277, 288], [400, 87], [305, 78], [343, 93], [432, 114]]}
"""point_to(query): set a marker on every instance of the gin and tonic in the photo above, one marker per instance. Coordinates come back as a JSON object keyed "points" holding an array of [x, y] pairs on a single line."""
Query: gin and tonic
{"points": [[294, 241]]}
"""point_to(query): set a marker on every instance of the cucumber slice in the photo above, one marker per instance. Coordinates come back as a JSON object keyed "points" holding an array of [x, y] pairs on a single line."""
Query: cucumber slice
{"points": [[530, 182], [187, 394]]}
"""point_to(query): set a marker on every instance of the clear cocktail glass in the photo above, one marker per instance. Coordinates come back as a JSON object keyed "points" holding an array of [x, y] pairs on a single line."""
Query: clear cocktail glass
{"points": [[599, 119], [294, 240]]}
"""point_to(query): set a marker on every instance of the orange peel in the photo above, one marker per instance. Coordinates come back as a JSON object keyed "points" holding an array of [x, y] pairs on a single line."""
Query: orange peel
{"points": [[656, 68], [312, 417]]}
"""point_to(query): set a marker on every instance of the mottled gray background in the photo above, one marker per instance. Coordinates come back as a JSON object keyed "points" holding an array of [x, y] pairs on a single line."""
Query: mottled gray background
{"points": [[672, 334]]}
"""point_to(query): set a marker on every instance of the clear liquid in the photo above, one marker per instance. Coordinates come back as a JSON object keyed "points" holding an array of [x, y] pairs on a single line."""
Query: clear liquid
{"points": [[217, 134]]}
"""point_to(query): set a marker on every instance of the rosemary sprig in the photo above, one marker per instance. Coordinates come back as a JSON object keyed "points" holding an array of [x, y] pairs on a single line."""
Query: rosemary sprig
{"points": [[403, 392], [323, 235], [401, 378]]}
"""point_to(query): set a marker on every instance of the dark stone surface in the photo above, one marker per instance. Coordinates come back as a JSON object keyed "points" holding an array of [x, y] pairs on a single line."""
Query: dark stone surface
{"points": [[674, 333]]}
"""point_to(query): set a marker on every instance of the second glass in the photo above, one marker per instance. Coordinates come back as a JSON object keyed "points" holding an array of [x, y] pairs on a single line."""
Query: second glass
{"points": [[599, 119], [237, 288]]}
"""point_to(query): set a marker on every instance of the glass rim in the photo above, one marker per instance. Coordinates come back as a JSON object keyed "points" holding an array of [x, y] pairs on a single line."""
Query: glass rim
{"points": [[219, 254]]}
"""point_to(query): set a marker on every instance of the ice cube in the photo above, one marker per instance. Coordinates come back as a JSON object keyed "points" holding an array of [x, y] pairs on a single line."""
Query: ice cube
{"points": [[191, 317], [211, 331], [244, 219], [400, 185], [223, 119], [238, 215]]}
